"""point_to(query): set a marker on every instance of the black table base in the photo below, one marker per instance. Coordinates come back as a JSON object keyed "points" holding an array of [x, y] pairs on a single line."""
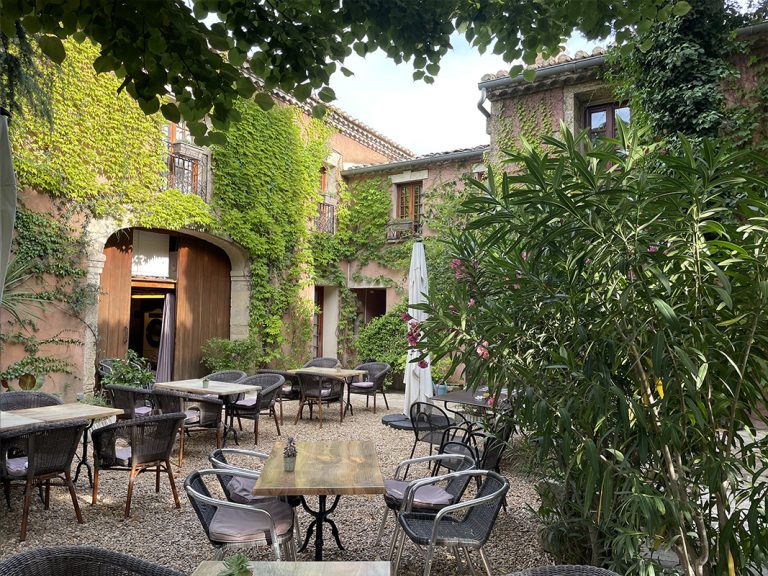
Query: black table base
{"points": [[84, 458], [320, 517]]}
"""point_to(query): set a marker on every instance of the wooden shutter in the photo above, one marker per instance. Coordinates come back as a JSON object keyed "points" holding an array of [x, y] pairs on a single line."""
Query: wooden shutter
{"points": [[115, 296], [202, 303]]}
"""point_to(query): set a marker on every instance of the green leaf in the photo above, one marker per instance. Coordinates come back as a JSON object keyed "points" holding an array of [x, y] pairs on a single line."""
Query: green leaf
{"points": [[104, 63], [53, 48], [264, 100], [171, 112], [319, 111], [347, 72], [149, 106], [245, 87], [529, 74], [303, 91], [666, 311], [326, 94], [681, 8], [218, 138], [236, 57]]}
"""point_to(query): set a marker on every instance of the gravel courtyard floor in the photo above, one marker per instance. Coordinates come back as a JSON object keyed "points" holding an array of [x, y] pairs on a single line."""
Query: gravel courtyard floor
{"points": [[160, 533]]}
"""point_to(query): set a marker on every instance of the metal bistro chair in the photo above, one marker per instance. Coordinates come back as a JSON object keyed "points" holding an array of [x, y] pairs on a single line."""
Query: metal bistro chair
{"points": [[264, 402], [46, 453], [21, 399], [465, 525], [430, 498], [233, 525], [377, 374], [203, 414], [150, 442], [319, 390], [428, 421], [565, 570], [79, 561]]}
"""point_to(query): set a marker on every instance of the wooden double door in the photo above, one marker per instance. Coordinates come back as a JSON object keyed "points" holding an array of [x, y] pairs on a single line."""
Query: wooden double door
{"points": [[201, 287]]}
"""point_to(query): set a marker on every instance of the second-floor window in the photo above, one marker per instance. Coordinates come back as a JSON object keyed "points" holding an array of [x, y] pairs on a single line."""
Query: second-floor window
{"points": [[602, 120], [409, 203], [325, 221], [187, 163]]}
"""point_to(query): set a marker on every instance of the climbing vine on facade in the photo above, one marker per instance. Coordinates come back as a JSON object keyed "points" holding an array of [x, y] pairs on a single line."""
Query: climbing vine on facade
{"points": [[266, 193]]}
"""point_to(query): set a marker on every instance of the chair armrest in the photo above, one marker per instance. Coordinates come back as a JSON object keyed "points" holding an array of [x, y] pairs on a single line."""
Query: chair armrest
{"points": [[227, 466], [433, 458]]}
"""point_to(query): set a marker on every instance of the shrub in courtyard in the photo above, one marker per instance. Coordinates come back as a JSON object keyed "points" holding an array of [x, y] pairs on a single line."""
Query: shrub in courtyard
{"points": [[222, 354], [383, 340], [623, 291]]}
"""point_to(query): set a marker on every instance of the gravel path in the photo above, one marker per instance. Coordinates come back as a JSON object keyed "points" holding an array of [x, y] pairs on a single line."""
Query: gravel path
{"points": [[158, 532]]}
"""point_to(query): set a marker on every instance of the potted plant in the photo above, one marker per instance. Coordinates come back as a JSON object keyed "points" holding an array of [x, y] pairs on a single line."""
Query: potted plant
{"points": [[289, 455], [236, 565]]}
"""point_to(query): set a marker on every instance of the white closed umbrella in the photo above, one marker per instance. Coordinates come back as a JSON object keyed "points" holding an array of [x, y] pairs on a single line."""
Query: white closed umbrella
{"points": [[7, 200], [418, 381]]}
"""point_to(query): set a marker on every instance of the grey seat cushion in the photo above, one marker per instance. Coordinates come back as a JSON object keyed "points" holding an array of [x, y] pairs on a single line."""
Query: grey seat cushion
{"points": [[236, 525], [247, 403], [240, 491], [123, 455], [142, 410], [193, 416], [362, 385], [430, 496], [16, 466]]}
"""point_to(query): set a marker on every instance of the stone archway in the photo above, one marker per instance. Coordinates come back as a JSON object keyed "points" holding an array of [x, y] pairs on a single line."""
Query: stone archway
{"points": [[99, 231]]}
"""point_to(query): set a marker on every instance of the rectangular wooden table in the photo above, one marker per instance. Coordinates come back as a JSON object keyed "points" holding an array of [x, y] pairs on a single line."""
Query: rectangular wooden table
{"points": [[212, 568], [322, 469], [227, 391], [11, 421], [62, 413]]}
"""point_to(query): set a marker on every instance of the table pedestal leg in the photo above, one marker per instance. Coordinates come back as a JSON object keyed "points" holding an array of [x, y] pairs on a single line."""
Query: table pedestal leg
{"points": [[229, 428], [320, 517], [84, 459]]}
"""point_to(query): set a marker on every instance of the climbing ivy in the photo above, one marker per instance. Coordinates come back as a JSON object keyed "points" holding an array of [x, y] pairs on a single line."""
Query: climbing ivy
{"points": [[101, 150], [266, 191]]}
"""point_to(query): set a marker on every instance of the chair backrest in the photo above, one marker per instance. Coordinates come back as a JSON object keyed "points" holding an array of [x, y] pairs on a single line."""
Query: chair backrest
{"points": [[377, 371], [18, 400], [152, 438], [427, 419], [321, 363], [311, 385], [226, 376], [193, 485], [218, 459], [266, 380], [168, 400], [456, 486], [493, 444], [271, 392], [105, 366], [80, 561], [49, 448], [483, 515], [128, 397], [289, 377]]}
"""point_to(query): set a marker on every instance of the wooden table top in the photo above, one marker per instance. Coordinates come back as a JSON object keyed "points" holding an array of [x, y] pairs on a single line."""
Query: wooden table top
{"points": [[335, 372], [211, 568], [68, 411], [323, 468], [11, 420], [195, 386]]}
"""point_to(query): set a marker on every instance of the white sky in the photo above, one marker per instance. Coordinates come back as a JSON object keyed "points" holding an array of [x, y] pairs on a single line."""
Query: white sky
{"points": [[423, 117]]}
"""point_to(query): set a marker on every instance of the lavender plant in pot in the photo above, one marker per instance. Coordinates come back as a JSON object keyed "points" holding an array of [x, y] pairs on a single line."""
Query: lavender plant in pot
{"points": [[289, 455]]}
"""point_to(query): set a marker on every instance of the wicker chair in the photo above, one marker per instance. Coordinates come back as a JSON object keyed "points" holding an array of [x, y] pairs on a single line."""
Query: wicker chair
{"points": [[79, 561], [264, 403], [377, 373], [134, 400], [203, 414], [46, 453], [447, 528], [291, 388], [18, 400], [150, 442], [324, 362], [226, 376], [319, 390], [564, 570], [231, 524]]}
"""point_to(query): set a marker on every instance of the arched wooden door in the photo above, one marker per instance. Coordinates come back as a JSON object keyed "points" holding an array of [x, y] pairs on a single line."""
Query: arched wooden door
{"points": [[202, 303]]}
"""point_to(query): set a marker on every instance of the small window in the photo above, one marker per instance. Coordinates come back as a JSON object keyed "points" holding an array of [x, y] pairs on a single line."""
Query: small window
{"points": [[602, 121], [323, 181], [409, 203]]}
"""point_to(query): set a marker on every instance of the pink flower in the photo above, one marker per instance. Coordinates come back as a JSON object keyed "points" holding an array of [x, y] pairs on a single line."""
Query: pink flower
{"points": [[471, 302], [458, 273], [455, 264], [653, 248], [492, 400], [524, 255], [406, 317], [482, 350], [423, 364], [516, 286]]}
